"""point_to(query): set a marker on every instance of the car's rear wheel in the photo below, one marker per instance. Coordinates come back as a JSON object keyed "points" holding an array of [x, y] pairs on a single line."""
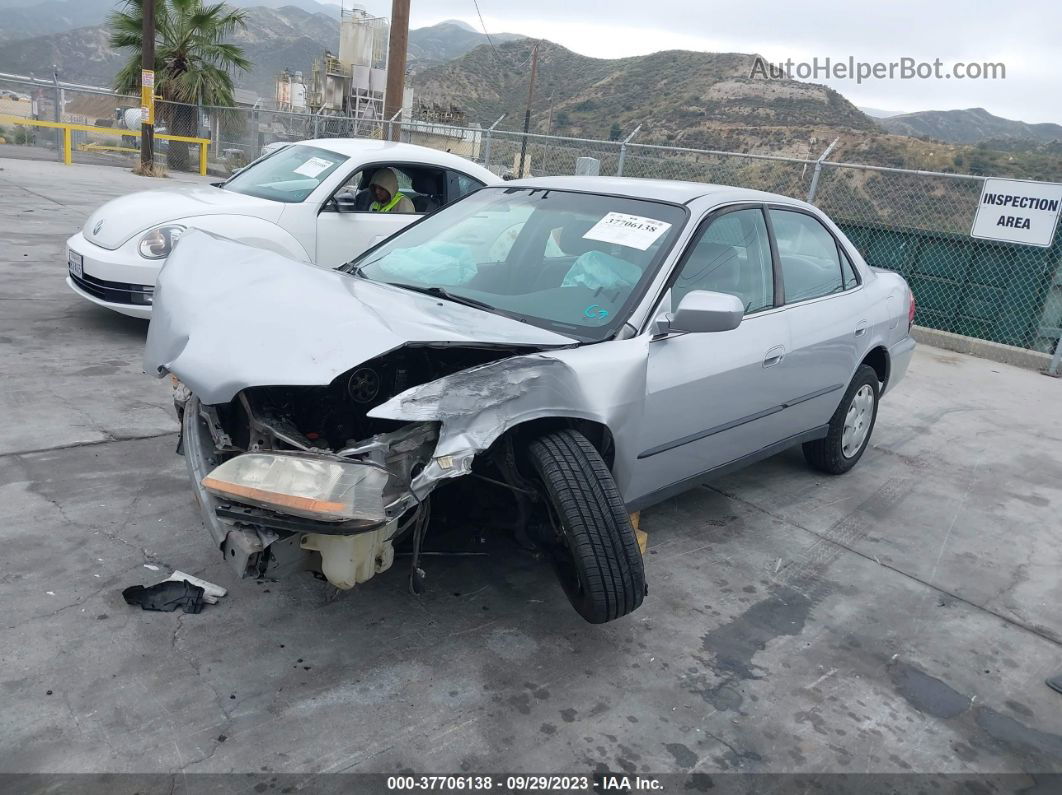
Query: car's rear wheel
{"points": [[850, 427], [591, 542]]}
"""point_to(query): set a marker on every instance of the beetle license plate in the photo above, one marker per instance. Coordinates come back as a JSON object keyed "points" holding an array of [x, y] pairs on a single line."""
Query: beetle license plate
{"points": [[76, 263]]}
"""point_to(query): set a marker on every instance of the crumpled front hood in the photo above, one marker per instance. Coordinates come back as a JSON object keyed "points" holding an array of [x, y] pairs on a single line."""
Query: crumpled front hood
{"points": [[227, 316], [137, 212]]}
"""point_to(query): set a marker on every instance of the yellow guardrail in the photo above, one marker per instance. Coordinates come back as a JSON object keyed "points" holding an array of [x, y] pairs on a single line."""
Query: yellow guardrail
{"points": [[68, 128]]}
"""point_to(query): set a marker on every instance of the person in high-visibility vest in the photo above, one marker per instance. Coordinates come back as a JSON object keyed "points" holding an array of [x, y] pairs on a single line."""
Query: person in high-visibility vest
{"points": [[389, 199]]}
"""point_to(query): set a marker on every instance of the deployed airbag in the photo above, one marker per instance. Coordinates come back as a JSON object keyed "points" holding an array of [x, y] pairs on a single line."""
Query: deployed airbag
{"points": [[598, 270], [441, 264]]}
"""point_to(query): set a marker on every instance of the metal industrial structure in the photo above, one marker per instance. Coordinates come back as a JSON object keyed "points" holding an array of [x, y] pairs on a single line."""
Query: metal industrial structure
{"points": [[291, 92], [352, 83]]}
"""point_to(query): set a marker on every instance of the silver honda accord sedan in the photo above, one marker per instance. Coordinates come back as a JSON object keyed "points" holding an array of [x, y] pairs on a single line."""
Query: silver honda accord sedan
{"points": [[541, 358]]}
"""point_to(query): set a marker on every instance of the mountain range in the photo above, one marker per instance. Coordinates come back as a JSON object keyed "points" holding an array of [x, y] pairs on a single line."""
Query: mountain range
{"points": [[273, 39], [24, 20], [704, 101], [971, 126], [279, 34], [448, 40], [694, 99], [680, 97]]}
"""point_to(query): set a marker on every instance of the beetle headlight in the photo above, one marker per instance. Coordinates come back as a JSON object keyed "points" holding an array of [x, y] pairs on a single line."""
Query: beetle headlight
{"points": [[158, 242]]}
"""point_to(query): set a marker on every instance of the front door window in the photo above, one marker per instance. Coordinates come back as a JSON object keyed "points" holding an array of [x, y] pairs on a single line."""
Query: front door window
{"points": [[732, 256]]}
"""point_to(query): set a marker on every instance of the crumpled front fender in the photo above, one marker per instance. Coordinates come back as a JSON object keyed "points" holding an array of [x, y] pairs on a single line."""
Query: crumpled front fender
{"points": [[476, 406]]}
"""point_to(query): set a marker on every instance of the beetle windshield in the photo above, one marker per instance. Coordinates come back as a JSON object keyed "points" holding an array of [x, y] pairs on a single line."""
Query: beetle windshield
{"points": [[571, 262], [289, 175]]}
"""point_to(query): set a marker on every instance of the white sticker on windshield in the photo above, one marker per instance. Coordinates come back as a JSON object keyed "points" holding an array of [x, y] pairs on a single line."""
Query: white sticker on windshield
{"points": [[312, 167], [633, 231]]}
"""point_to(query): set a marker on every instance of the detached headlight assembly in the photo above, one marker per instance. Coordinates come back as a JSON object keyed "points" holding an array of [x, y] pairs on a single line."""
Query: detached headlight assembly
{"points": [[315, 488], [158, 242]]}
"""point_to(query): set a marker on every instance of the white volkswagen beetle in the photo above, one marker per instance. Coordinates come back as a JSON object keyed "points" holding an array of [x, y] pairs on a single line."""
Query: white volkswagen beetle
{"points": [[309, 201]]}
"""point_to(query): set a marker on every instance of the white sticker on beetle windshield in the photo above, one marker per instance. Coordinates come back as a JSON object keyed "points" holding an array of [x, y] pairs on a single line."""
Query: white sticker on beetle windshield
{"points": [[314, 166], [633, 231]]}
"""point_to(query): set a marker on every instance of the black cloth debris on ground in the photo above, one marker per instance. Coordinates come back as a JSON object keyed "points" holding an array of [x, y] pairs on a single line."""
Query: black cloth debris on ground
{"points": [[166, 596]]}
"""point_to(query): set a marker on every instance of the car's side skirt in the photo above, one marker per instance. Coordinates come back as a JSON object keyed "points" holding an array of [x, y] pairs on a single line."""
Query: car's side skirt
{"points": [[696, 437], [725, 469]]}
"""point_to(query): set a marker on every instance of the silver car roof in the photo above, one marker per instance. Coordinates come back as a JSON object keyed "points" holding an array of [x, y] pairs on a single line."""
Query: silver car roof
{"points": [[393, 150], [668, 190]]}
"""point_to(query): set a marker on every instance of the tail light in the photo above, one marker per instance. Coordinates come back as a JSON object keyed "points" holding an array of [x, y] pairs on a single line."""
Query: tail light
{"points": [[911, 306]]}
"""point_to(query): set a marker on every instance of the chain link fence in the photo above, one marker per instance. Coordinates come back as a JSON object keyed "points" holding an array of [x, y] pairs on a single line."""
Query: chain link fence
{"points": [[918, 224], [113, 119], [913, 222], [28, 100]]}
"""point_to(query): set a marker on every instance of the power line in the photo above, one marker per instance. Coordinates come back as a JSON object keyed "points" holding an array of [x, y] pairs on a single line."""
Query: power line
{"points": [[503, 61], [483, 25]]}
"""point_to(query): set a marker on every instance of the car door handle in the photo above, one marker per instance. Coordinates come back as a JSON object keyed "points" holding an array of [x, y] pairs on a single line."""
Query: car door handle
{"points": [[774, 356], [861, 329]]}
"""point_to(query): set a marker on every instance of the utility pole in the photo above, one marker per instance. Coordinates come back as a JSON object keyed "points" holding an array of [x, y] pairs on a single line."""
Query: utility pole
{"points": [[58, 111], [527, 112], [397, 43], [147, 88]]}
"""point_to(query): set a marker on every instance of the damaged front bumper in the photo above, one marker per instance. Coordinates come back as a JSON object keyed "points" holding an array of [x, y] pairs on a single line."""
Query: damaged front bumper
{"points": [[266, 505]]}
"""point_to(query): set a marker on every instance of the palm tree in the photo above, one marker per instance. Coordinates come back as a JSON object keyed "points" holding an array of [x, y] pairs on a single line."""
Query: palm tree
{"points": [[193, 63]]}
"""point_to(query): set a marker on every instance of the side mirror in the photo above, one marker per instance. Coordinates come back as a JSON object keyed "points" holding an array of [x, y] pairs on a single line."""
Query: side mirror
{"points": [[345, 203], [701, 310]]}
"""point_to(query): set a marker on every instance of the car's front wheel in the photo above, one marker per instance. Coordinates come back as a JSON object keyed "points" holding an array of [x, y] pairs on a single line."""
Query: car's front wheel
{"points": [[850, 426], [591, 541]]}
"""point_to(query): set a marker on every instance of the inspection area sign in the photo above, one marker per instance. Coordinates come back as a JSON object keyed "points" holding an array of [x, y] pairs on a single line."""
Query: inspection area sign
{"points": [[1016, 211]]}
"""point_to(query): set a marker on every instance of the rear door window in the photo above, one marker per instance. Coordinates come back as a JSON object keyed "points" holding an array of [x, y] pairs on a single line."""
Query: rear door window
{"points": [[811, 263], [848, 272]]}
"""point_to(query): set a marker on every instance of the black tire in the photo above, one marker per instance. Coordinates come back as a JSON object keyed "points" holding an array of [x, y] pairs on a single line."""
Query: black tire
{"points": [[827, 455], [593, 548]]}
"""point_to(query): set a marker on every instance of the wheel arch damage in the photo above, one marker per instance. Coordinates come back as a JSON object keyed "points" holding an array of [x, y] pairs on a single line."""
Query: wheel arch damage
{"points": [[597, 433], [517, 396]]}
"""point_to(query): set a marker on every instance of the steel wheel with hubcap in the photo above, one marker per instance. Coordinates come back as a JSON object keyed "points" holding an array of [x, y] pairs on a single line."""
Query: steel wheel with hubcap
{"points": [[857, 421], [850, 426]]}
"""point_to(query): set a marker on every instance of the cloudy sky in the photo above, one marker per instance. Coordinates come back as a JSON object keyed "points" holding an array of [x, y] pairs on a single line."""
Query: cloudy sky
{"points": [[1022, 34]]}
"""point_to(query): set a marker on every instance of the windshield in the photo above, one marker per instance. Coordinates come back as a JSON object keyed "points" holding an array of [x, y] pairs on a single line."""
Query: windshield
{"points": [[289, 175], [571, 262]]}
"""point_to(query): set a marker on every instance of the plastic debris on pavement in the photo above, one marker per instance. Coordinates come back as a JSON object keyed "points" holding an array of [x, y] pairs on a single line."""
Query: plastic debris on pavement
{"points": [[179, 590], [211, 592]]}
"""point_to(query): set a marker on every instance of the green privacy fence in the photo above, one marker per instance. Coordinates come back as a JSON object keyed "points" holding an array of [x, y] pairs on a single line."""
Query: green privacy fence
{"points": [[918, 223], [993, 291]]}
